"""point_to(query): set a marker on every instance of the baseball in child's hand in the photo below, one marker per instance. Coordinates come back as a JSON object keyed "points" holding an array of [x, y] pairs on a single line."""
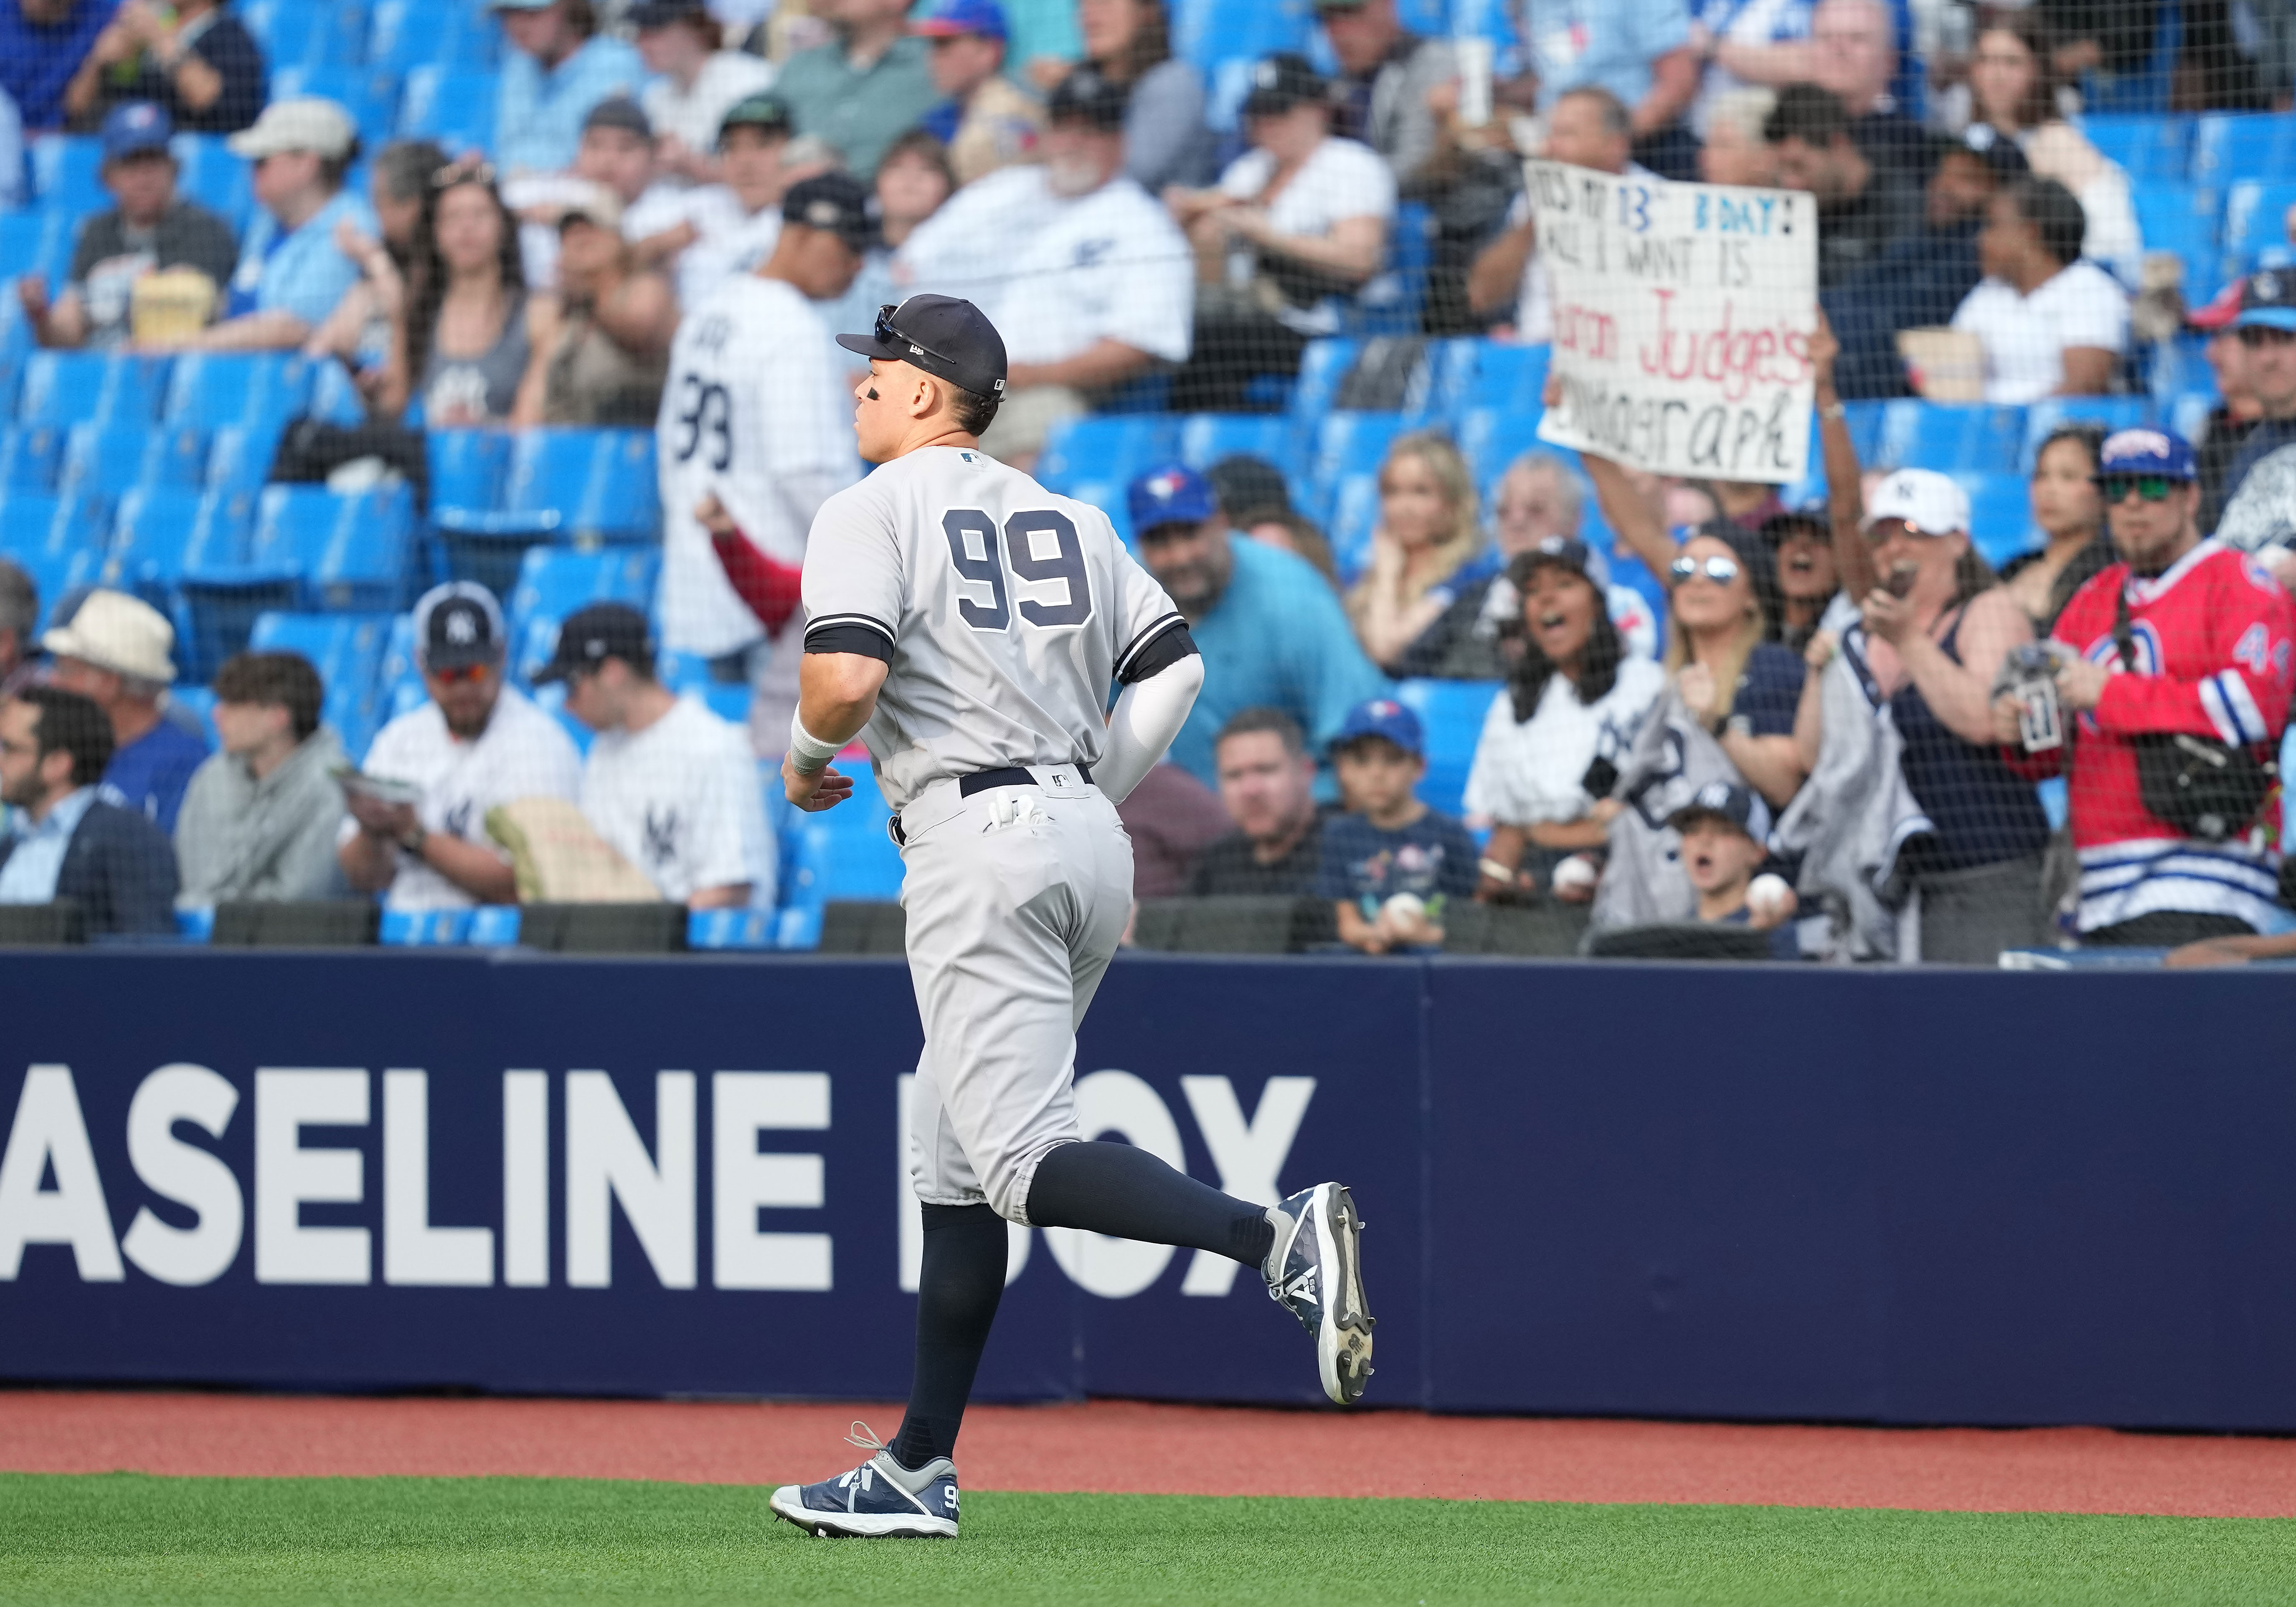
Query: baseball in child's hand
{"points": [[1769, 900]]}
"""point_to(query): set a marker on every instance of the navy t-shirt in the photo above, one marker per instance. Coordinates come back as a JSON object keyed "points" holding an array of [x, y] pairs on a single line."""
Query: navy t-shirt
{"points": [[1432, 858], [1784, 944], [1769, 689]]}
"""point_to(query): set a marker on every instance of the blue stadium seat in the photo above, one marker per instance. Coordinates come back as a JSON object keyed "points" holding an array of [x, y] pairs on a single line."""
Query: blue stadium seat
{"points": [[1207, 437], [1323, 366], [346, 651], [1492, 437], [684, 672], [1348, 441], [1395, 297], [1452, 713], [2154, 149], [211, 176], [304, 33], [67, 171], [398, 679], [731, 928], [1210, 32], [1968, 440], [1868, 421], [553, 582], [311, 548], [334, 397], [560, 485], [2229, 145], [1441, 381], [216, 390], [239, 457], [1354, 513], [38, 242], [425, 928], [28, 458], [1107, 447], [369, 94], [408, 34], [453, 105], [157, 529], [1430, 19], [2255, 218], [2182, 220], [104, 460], [1497, 375], [2113, 412], [2000, 515], [90, 387], [467, 467]]}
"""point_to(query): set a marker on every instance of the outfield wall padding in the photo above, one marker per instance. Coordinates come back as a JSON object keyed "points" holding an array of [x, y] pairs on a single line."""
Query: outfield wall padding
{"points": [[1650, 1190]]}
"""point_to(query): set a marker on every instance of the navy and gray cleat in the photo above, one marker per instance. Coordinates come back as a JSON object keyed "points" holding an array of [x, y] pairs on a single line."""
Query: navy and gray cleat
{"points": [[1315, 1273], [880, 1499]]}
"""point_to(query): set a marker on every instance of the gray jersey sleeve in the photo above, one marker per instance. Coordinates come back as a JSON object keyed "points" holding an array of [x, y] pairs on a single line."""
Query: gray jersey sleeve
{"points": [[854, 590]]}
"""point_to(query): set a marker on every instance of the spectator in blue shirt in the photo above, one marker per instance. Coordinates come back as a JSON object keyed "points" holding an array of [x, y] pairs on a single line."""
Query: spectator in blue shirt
{"points": [[1272, 633], [1390, 863], [42, 44], [295, 264], [117, 652], [1639, 50], [557, 68]]}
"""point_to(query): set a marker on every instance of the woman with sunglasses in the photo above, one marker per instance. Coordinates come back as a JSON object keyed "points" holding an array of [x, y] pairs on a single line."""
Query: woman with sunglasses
{"points": [[2067, 512], [1930, 639], [1741, 686]]}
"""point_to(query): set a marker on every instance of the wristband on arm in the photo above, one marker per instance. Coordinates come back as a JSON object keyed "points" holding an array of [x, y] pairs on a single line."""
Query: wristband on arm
{"points": [[807, 751]]}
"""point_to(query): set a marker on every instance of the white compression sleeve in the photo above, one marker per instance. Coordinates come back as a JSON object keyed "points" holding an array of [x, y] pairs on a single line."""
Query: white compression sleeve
{"points": [[1148, 716]]}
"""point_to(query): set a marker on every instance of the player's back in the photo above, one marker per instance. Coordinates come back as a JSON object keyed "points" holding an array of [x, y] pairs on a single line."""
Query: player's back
{"points": [[1009, 611]]}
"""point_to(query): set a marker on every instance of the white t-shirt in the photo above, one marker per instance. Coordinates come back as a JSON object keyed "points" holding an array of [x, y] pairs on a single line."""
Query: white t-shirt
{"points": [[1534, 306], [731, 240], [1056, 273], [693, 115], [1341, 179], [1529, 773], [680, 800], [756, 409], [2025, 336], [522, 753]]}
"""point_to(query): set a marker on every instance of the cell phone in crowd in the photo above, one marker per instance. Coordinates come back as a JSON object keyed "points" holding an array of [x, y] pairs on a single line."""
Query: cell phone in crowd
{"points": [[1901, 579], [1474, 58], [2030, 674]]}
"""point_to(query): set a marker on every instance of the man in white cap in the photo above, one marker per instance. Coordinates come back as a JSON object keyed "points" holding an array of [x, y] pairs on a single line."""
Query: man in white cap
{"points": [[117, 652], [292, 269]]}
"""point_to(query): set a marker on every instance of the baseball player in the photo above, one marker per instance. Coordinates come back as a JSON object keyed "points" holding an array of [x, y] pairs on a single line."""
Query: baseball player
{"points": [[966, 623]]}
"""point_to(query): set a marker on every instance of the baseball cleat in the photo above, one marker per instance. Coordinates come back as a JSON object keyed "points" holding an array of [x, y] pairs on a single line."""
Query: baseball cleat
{"points": [[1315, 1273], [879, 1500]]}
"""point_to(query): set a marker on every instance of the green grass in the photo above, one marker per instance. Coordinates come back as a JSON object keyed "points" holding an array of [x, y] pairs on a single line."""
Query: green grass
{"points": [[125, 1538]]}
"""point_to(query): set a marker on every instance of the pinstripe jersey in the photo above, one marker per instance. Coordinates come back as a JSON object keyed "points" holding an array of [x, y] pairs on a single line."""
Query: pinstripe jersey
{"points": [[1004, 611]]}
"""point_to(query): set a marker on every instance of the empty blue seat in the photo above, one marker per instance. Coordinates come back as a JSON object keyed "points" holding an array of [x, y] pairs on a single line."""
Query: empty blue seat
{"points": [[2113, 412], [67, 171], [467, 467], [2255, 215], [1972, 440], [731, 928], [1346, 442], [107, 459], [399, 677], [157, 529], [685, 673], [38, 522], [369, 94], [424, 928], [309, 548], [2229, 145], [404, 35], [1506, 376], [2182, 220], [90, 387], [346, 651], [219, 389], [304, 33], [1354, 515], [2154, 149], [239, 457], [453, 105], [572, 483], [1394, 299], [1451, 713], [1213, 32], [1207, 437], [210, 175], [28, 458], [1323, 365], [1492, 437], [553, 582], [2000, 516], [38, 242], [1107, 447]]}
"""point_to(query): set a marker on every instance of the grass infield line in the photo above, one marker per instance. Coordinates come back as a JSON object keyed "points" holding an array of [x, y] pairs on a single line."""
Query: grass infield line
{"points": [[129, 1538]]}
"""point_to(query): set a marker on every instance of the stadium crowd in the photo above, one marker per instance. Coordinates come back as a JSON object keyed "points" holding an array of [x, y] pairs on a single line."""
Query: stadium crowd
{"points": [[1815, 713]]}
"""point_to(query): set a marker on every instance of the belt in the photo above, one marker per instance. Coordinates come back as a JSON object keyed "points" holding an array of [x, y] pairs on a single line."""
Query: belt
{"points": [[981, 780]]}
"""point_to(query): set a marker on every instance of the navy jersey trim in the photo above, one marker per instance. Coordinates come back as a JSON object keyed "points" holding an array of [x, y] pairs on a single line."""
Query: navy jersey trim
{"points": [[1160, 652], [866, 640]]}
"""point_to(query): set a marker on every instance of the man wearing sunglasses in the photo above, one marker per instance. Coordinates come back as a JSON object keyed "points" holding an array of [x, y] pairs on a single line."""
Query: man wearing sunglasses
{"points": [[2260, 491], [2182, 637]]}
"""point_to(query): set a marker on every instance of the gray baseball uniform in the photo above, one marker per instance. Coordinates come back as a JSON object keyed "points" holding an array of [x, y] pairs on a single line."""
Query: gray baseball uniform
{"points": [[1009, 611]]}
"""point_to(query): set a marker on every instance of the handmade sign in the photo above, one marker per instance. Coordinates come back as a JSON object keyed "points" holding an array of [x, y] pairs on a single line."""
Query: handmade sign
{"points": [[1683, 315]]}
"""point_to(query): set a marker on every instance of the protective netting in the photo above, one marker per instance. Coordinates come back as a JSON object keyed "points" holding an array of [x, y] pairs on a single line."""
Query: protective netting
{"points": [[1744, 480]]}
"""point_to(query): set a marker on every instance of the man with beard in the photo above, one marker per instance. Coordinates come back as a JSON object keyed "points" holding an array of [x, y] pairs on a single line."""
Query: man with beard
{"points": [[475, 745], [1085, 275]]}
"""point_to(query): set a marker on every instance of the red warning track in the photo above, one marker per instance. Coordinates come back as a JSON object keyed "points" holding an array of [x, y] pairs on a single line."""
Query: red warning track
{"points": [[1122, 1446]]}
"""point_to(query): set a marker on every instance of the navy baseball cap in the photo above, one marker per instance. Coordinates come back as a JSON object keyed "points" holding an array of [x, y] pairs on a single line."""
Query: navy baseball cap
{"points": [[1383, 717], [1088, 95], [2162, 452], [1281, 82], [136, 128], [946, 336], [1170, 494], [2267, 300], [593, 635], [952, 19], [838, 202], [662, 13], [458, 625], [1734, 806], [619, 111]]}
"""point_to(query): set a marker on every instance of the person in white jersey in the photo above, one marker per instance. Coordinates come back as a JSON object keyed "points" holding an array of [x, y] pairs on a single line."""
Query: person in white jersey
{"points": [[966, 623], [477, 743], [754, 415], [672, 787]]}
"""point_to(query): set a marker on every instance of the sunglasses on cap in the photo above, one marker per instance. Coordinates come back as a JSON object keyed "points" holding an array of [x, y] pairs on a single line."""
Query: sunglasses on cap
{"points": [[2150, 488], [887, 335], [461, 674], [1721, 571]]}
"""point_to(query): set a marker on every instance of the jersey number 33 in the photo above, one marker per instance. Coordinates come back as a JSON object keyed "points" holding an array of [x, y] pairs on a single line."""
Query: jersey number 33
{"points": [[1039, 551]]}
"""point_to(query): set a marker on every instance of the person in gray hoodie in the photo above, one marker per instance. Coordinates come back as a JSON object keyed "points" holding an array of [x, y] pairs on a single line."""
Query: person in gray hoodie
{"points": [[259, 818]]}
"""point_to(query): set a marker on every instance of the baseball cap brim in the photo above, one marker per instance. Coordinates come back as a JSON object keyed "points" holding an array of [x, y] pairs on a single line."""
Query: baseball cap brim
{"points": [[2267, 317], [869, 346], [1690, 814]]}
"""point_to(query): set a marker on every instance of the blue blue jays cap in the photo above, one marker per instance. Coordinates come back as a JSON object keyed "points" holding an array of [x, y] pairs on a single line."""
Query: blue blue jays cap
{"points": [[136, 128], [2162, 452], [1170, 494], [2267, 300], [1383, 717], [950, 19]]}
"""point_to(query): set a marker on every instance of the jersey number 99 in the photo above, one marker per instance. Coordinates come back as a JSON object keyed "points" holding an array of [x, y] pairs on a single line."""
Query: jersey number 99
{"points": [[979, 561]]}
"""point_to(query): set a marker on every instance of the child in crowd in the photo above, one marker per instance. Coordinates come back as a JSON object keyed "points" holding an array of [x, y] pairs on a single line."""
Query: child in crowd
{"points": [[1389, 862], [1720, 854]]}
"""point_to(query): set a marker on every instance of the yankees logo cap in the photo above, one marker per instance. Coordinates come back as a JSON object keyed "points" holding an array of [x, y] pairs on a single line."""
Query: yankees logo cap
{"points": [[458, 625], [1281, 82], [1734, 806], [838, 202], [1088, 95], [2267, 300], [946, 336]]}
